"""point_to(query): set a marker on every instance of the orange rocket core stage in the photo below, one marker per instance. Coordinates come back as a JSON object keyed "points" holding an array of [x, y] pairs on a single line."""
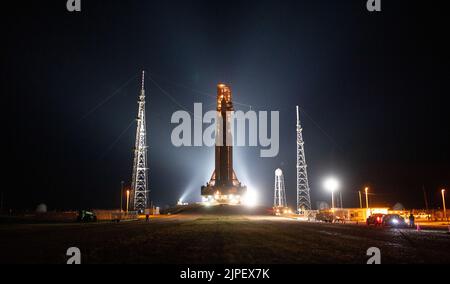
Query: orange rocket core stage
{"points": [[223, 187]]}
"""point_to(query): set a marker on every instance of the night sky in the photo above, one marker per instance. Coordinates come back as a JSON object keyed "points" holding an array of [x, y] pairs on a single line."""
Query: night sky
{"points": [[372, 88]]}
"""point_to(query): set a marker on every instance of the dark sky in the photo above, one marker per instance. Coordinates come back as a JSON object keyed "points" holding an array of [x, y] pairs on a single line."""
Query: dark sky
{"points": [[373, 86]]}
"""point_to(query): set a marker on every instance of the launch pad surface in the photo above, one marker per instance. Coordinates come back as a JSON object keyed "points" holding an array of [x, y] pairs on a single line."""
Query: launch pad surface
{"points": [[219, 235]]}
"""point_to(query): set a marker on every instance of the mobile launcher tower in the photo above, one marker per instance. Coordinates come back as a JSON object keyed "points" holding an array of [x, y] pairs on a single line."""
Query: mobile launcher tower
{"points": [[223, 187]]}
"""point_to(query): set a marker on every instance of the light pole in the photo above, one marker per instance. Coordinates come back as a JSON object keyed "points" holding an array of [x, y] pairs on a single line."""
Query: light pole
{"points": [[360, 199], [128, 199], [331, 184], [443, 203], [332, 200], [121, 196], [367, 197]]}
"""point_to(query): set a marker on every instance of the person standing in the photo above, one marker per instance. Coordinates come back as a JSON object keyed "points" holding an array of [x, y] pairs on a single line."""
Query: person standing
{"points": [[411, 220]]}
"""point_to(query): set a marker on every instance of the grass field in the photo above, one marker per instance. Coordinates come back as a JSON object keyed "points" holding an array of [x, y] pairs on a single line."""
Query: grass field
{"points": [[219, 238]]}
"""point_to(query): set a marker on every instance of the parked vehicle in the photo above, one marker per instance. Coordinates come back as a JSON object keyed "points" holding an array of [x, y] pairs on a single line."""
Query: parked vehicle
{"points": [[86, 216], [325, 217], [375, 219], [394, 220]]}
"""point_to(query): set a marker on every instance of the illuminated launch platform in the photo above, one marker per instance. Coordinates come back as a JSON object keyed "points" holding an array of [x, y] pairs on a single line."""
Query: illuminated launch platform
{"points": [[223, 187]]}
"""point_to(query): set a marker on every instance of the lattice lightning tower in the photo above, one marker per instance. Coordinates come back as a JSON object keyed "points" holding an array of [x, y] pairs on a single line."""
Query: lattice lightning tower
{"points": [[303, 197], [139, 183]]}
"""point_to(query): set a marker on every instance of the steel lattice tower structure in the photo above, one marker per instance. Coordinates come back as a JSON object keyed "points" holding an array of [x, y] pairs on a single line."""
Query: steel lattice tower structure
{"points": [[303, 197], [139, 184], [279, 200]]}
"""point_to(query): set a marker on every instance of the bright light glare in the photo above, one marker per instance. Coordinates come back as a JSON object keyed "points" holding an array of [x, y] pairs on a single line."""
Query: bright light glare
{"points": [[207, 200], [331, 184], [395, 221], [234, 199], [250, 199], [278, 172]]}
